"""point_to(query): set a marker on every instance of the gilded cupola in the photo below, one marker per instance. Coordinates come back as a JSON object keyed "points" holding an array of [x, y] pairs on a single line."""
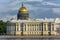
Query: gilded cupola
{"points": [[23, 8], [23, 13]]}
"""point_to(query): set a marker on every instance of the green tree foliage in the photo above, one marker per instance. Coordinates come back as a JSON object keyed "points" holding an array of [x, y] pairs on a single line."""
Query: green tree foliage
{"points": [[2, 27]]}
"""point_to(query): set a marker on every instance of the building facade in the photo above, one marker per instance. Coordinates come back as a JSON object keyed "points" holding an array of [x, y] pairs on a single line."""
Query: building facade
{"points": [[24, 26]]}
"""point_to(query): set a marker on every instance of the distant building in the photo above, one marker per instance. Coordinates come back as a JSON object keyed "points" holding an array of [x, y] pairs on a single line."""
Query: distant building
{"points": [[26, 26], [57, 24]]}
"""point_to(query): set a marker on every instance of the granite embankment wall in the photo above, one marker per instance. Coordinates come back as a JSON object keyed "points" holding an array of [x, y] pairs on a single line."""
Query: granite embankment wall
{"points": [[56, 37]]}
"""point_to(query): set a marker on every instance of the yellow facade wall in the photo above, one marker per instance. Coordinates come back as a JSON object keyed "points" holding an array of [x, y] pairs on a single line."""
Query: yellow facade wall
{"points": [[18, 33]]}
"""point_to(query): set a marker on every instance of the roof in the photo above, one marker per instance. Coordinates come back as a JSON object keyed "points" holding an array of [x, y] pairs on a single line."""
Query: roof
{"points": [[34, 20]]}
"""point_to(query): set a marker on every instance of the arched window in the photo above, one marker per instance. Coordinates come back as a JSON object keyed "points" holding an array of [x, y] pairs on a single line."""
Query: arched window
{"points": [[44, 27], [49, 26], [52, 27]]}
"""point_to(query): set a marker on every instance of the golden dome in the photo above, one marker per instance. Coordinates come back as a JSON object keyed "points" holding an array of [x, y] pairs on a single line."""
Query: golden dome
{"points": [[23, 9]]}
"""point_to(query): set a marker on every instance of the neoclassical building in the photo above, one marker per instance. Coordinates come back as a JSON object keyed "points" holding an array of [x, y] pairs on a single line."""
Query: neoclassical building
{"points": [[24, 26]]}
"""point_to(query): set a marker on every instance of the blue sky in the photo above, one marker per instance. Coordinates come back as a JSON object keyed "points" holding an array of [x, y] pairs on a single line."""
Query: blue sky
{"points": [[36, 8]]}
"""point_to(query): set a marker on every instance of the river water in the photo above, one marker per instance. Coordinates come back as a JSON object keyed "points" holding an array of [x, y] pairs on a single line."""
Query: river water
{"points": [[30, 39]]}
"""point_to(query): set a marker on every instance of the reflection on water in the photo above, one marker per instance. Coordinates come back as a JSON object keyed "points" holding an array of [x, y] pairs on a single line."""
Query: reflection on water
{"points": [[30, 39]]}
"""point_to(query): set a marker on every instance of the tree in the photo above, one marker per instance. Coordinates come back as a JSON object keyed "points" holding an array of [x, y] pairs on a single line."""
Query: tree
{"points": [[2, 27]]}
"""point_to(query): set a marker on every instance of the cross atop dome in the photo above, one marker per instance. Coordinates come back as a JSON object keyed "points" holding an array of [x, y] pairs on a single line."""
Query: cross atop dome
{"points": [[22, 4]]}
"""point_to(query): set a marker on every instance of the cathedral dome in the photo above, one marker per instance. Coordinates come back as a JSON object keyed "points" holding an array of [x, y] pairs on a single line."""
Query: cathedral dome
{"points": [[23, 8]]}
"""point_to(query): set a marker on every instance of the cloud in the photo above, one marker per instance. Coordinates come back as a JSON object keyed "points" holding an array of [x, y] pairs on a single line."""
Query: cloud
{"points": [[51, 3], [9, 7], [15, 4], [35, 0], [8, 17], [56, 10]]}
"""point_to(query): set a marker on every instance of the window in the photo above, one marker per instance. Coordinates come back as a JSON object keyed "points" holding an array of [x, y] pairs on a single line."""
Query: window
{"points": [[17, 28], [37, 25], [28, 24], [21, 26], [25, 27], [49, 26], [44, 27], [41, 27], [52, 27], [35, 28], [17, 25]]}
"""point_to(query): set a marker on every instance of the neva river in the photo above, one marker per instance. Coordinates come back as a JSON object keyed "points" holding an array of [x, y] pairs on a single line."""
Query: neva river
{"points": [[30, 39]]}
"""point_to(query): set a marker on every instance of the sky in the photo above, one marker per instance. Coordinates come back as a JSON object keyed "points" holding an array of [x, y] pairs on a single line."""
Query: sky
{"points": [[36, 8]]}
